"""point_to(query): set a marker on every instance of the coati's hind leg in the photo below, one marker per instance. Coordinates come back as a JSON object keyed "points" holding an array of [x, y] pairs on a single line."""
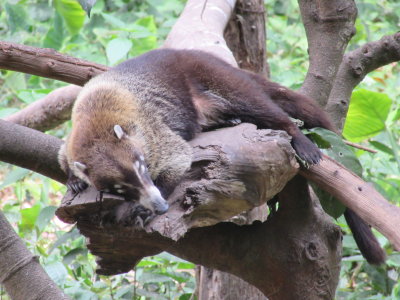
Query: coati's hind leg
{"points": [[297, 105], [240, 97]]}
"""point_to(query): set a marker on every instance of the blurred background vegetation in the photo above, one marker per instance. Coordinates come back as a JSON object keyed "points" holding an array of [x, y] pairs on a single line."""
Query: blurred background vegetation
{"points": [[120, 29]]}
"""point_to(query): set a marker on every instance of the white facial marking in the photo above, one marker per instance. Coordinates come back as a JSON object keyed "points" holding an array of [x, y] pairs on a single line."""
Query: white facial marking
{"points": [[80, 166], [117, 186], [137, 165], [118, 131], [120, 191], [142, 169], [149, 194], [141, 157]]}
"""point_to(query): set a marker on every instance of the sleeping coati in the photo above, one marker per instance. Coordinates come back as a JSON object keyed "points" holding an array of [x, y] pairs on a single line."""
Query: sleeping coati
{"points": [[131, 124]]}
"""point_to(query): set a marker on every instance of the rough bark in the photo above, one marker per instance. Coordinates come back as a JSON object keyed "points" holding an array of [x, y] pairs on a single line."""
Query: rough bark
{"points": [[230, 174], [353, 69], [30, 149], [329, 27], [21, 273], [366, 201], [275, 256], [216, 285], [245, 36], [47, 63]]}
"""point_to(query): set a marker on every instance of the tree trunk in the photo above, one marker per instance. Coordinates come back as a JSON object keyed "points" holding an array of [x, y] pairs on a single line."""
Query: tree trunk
{"points": [[245, 36]]}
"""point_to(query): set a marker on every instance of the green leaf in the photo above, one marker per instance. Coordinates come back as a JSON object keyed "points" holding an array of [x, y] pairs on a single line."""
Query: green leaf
{"points": [[46, 214], [57, 272], [55, 36], [382, 147], [118, 49], [146, 38], [17, 17], [8, 111], [71, 255], [15, 175], [28, 96], [367, 115], [15, 81], [29, 217], [68, 236], [72, 13], [148, 277]]}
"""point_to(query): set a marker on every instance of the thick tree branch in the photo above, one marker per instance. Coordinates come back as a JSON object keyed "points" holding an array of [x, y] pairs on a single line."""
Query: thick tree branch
{"points": [[21, 273], [270, 248], [329, 27], [47, 63], [357, 195], [201, 26], [355, 66], [49, 112], [31, 149]]}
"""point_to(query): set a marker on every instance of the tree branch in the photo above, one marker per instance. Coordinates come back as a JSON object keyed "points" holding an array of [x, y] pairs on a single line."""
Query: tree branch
{"points": [[355, 66], [357, 195], [47, 63], [258, 257], [329, 27], [201, 26], [31, 149], [21, 273]]}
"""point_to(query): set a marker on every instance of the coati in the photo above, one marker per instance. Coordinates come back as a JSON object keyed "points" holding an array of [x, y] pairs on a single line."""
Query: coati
{"points": [[131, 124]]}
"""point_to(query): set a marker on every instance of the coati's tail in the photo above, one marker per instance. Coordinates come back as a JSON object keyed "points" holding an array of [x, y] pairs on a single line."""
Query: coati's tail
{"points": [[365, 239]]}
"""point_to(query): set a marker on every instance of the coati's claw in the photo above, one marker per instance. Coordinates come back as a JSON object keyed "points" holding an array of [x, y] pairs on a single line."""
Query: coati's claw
{"points": [[306, 150], [76, 185], [132, 214]]}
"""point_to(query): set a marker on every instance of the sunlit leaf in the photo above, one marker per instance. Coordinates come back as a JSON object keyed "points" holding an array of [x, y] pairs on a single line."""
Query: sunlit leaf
{"points": [[29, 216], [72, 13], [55, 36], [46, 214], [367, 115], [118, 49]]}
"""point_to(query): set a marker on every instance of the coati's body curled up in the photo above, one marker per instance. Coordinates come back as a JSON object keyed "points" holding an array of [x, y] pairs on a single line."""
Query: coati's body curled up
{"points": [[131, 123]]}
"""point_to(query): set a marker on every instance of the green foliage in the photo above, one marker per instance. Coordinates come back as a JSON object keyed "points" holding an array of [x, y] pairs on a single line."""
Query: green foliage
{"points": [[367, 115], [120, 29]]}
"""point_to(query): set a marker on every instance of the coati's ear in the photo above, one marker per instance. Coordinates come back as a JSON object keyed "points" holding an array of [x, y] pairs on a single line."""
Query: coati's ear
{"points": [[118, 131], [80, 166]]}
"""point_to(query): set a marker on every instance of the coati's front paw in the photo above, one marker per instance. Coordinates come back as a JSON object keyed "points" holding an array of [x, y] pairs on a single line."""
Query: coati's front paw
{"points": [[133, 214], [306, 149], [76, 185]]}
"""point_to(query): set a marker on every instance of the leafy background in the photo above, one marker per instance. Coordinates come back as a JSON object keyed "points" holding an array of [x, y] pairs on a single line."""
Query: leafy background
{"points": [[121, 29]]}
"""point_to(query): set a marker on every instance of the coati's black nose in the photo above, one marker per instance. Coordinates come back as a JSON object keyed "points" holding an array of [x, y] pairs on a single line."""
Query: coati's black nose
{"points": [[161, 207]]}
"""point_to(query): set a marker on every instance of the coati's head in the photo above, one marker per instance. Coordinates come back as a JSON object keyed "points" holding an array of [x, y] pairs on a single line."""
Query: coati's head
{"points": [[116, 165]]}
